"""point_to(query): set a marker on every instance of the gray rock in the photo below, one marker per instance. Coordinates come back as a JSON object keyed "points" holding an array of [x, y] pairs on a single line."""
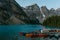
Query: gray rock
{"points": [[11, 7], [33, 11], [58, 11], [45, 11]]}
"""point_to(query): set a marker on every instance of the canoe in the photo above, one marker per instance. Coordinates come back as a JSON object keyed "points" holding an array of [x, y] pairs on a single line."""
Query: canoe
{"points": [[33, 35]]}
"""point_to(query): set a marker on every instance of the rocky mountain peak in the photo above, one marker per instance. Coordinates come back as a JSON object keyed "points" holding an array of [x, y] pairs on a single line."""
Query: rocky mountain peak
{"points": [[33, 7], [45, 11], [58, 9], [10, 8], [52, 9], [33, 11]]}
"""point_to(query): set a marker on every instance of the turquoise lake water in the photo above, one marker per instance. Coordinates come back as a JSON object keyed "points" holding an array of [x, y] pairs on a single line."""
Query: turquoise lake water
{"points": [[8, 32]]}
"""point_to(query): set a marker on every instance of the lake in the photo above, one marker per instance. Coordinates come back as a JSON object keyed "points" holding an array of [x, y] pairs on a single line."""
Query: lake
{"points": [[8, 32]]}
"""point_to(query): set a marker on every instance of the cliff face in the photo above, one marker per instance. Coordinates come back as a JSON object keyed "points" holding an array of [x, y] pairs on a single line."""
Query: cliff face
{"points": [[58, 11], [52, 12], [45, 11], [33, 11], [11, 10], [5, 12]]}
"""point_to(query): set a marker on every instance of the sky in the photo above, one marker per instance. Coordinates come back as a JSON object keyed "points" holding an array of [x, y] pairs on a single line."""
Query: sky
{"points": [[48, 3]]}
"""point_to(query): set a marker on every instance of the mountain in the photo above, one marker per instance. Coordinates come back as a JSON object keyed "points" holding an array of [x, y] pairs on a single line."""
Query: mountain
{"points": [[11, 13], [33, 11], [52, 12], [45, 11], [58, 11], [40, 13]]}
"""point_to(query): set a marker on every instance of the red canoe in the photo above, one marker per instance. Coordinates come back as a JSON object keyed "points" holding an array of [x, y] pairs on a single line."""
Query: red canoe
{"points": [[33, 35]]}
